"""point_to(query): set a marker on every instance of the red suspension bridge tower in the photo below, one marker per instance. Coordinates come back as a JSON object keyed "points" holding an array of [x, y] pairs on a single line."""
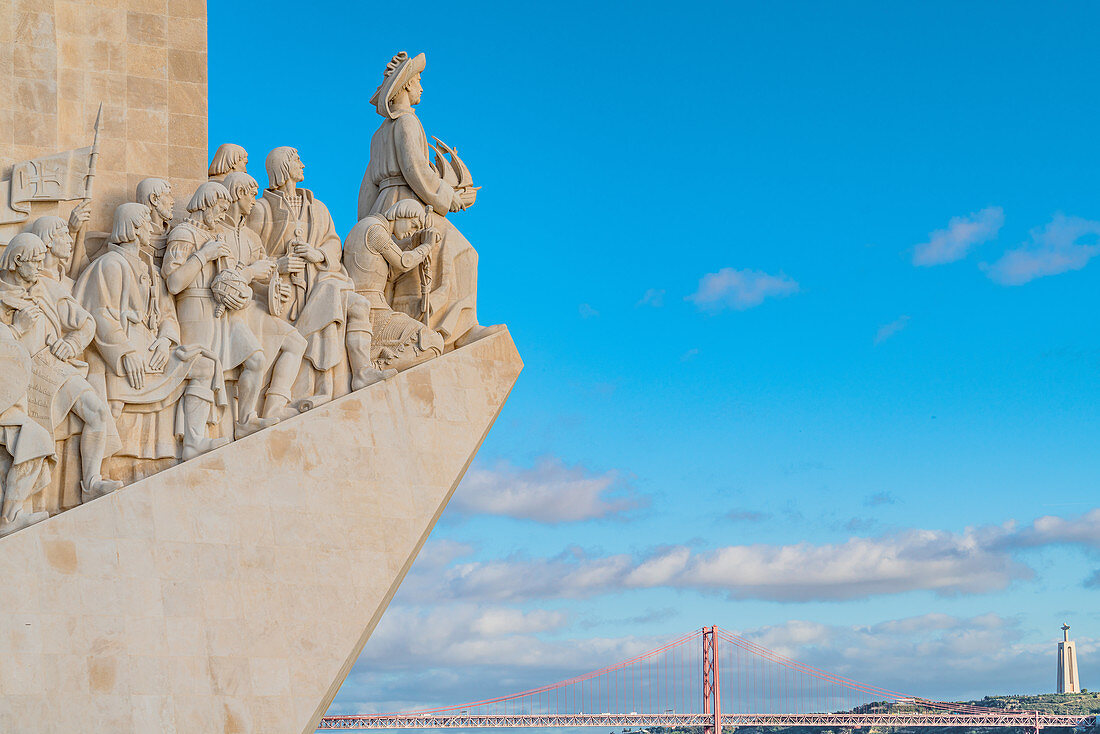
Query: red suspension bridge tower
{"points": [[712, 686]]}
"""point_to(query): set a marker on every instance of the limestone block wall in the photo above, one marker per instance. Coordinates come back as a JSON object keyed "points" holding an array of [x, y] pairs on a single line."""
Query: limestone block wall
{"points": [[145, 60]]}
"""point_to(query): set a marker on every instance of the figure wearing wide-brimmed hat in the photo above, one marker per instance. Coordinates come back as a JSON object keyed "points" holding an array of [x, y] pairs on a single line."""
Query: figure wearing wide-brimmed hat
{"points": [[400, 168]]}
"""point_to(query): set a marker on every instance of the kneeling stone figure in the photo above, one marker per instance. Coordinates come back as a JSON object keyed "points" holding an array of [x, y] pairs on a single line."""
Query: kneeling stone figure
{"points": [[377, 250]]}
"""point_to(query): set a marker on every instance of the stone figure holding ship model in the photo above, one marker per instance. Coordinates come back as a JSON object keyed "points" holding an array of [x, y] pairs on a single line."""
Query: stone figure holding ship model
{"points": [[399, 168]]}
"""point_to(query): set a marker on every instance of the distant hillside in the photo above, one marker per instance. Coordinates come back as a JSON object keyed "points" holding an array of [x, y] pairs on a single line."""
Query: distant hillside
{"points": [[1049, 703]]}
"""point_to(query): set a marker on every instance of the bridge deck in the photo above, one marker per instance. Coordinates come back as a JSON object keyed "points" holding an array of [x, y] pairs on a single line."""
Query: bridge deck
{"points": [[1027, 720]]}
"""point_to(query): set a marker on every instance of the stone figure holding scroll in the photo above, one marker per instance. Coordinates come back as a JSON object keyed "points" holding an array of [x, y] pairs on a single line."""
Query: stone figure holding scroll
{"points": [[378, 249], [297, 229], [144, 368], [57, 338], [399, 168]]}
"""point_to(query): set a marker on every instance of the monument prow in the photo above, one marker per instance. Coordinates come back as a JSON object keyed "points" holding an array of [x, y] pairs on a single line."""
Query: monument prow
{"points": [[234, 592]]}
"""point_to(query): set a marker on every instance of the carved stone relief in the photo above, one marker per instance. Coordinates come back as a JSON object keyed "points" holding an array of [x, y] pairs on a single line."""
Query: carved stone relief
{"points": [[126, 352]]}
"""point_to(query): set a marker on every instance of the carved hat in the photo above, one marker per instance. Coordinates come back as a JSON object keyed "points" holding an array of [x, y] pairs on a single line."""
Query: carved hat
{"points": [[399, 72]]}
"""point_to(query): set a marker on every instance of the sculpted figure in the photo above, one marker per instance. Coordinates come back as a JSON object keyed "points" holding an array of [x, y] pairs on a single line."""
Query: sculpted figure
{"points": [[262, 290], [65, 491], [228, 158], [378, 249], [156, 193], [57, 330], [24, 472], [146, 370], [209, 282], [297, 229], [399, 169]]}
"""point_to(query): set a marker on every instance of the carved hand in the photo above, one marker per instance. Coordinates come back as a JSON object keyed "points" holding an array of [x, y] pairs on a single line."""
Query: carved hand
{"points": [[161, 348], [79, 216], [284, 290], [63, 350], [310, 254], [431, 237], [214, 249], [135, 371], [235, 301], [463, 199], [25, 319], [263, 268], [291, 264]]}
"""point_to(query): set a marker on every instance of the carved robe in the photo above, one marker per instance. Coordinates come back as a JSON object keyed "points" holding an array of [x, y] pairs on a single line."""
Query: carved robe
{"points": [[319, 304], [132, 308], [399, 169]]}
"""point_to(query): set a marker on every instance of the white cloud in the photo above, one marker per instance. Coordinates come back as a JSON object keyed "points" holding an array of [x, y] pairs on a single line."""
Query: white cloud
{"points": [[888, 330], [1052, 530], [586, 311], [549, 492], [740, 289], [653, 297], [961, 235], [1056, 248], [975, 561]]}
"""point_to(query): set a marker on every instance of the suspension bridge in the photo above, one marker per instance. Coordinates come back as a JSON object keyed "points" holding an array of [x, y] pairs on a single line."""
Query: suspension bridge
{"points": [[709, 678]]}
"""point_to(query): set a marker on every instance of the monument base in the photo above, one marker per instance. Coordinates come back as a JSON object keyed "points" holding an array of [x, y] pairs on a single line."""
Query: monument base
{"points": [[234, 592]]}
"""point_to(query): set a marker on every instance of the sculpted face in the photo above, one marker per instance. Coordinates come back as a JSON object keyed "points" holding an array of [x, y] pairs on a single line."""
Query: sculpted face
{"points": [[415, 90], [163, 204], [144, 232], [242, 165], [297, 169], [212, 214], [28, 267], [246, 199], [61, 244], [403, 229]]}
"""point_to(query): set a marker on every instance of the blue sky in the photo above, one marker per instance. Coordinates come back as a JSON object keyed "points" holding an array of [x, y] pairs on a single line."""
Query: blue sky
{"points": [[805, 297]]}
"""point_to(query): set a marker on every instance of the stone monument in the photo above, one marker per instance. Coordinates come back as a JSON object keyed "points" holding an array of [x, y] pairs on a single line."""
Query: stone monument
{"points": [[225, 429], [1068, 682]]}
